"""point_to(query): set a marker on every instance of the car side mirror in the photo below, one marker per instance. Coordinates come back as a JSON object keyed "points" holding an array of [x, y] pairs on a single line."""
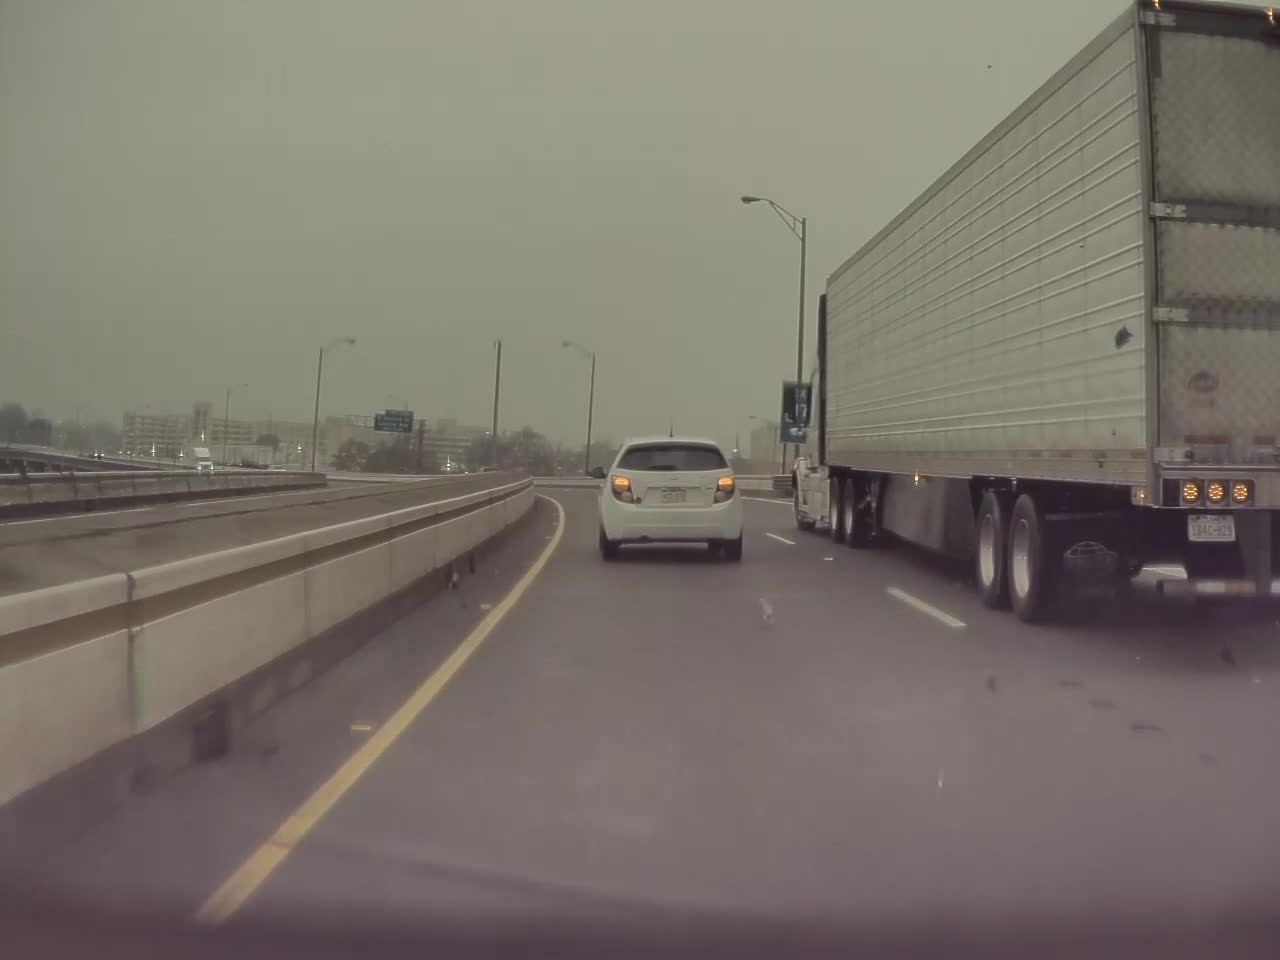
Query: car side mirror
{"points": [[596, 473]]}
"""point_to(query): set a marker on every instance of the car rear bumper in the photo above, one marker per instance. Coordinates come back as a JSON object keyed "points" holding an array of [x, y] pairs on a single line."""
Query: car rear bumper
{"points": [[627, 523]]}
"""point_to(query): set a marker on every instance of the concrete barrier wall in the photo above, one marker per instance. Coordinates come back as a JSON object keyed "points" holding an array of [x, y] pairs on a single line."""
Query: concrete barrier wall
{"points": [[38, 736], [134, 670], [60, 708], [179, 659]]}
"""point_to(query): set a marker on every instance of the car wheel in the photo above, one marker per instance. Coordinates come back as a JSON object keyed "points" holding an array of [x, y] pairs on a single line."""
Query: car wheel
{"points": [[608, 548], [732, 550], [1031, 571], [835, 515], [992, 554]]}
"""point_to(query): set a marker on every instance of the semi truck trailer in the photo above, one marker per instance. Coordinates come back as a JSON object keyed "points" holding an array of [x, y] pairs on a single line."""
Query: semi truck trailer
{"points": [[1062, 361]]}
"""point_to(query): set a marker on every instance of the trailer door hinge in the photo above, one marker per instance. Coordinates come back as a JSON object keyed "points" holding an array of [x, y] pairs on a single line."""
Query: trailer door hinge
{"points": [[1158, 18], [1169, 211], [1171, 315]]}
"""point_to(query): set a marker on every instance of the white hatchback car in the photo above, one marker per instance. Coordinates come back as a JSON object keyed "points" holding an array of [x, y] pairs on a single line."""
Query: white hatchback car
{"points": [[671, 490]]}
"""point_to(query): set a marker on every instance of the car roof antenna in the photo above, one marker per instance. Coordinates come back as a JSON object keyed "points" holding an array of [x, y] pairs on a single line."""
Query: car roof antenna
{"points": [[671, 427]]}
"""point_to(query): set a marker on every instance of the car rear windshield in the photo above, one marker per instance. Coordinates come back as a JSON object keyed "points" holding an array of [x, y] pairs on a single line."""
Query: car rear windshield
{"points": [[672, 456]]}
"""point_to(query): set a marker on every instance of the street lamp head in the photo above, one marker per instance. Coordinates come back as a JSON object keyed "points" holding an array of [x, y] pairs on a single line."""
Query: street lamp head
{"points": [[750, 199]]}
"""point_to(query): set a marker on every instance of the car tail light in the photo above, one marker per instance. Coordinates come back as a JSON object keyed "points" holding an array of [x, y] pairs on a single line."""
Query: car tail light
{"points": [[621, 487], [1216, 492], [725, 487], [1190, 491], [1241, 492]]}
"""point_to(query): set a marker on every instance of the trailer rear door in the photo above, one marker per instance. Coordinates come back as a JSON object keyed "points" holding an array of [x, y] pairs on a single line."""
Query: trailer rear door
{"points": [[1215, 113]]}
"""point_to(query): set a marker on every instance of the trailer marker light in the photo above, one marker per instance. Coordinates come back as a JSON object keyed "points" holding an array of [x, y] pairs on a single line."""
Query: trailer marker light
{"points": [[1241, 491], [1190, 491], [1216, 491]]}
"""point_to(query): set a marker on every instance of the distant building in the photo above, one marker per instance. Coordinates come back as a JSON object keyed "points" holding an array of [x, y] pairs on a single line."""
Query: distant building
{"points": [[450, 443], [335, 431], [201, 418], [765, 448], [231, 432], [445, 440], [294, 437], [170, 434], [159, 435]]}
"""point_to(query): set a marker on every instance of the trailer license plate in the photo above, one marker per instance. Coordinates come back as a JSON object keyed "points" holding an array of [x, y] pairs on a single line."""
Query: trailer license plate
{"points": [[673, 495], [1211, 528]]}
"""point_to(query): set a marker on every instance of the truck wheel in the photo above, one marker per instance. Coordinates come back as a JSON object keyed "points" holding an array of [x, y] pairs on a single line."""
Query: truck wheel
{"points": [[992, 554], [835, 514], [857, 517], [1031, 572]]}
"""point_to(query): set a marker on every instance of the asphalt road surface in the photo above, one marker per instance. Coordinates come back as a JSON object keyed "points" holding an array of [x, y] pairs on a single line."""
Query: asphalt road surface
{"points": [[817, 731], [52, 550]]}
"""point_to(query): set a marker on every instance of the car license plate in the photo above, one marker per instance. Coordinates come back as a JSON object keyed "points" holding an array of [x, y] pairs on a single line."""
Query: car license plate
{"points": [[1211, 528], [673, 495]]}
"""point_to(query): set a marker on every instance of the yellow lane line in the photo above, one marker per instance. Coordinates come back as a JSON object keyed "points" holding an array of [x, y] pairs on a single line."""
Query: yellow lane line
{"points": [[250, 875]]}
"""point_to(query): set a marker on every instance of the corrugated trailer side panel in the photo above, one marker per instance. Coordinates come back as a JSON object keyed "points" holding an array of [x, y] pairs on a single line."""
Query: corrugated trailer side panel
{"points": [[997, 326]]}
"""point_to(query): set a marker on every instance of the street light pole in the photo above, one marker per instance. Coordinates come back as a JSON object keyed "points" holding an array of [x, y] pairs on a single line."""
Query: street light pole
{"points": [[315, 423], [226, 420], [800, 227], [591, 406], [591, 397], [497, 391]]}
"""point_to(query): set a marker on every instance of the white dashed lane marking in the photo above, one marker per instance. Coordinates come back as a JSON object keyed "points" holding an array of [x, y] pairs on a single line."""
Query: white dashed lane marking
{"points": [[926, 608]]}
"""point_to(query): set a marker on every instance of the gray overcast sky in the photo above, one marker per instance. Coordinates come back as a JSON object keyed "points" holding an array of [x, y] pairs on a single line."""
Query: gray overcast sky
{"points": [[196, 193]]}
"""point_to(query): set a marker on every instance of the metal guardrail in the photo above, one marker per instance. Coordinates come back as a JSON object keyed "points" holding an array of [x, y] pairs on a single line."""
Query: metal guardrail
{"points": [[50, 493]]}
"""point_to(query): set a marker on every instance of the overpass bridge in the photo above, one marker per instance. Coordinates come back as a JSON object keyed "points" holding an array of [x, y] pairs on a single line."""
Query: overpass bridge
{"points": [[429, 703], [26, 458]]}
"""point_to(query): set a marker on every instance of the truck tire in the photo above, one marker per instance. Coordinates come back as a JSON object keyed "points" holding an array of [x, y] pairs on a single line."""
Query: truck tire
{"points": [[835, 513], [857, 517], [1031, 570], [991, 557]]}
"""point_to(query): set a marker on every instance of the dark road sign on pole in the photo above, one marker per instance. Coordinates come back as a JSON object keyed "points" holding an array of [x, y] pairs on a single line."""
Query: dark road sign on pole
{"points": [[795, 412]]}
